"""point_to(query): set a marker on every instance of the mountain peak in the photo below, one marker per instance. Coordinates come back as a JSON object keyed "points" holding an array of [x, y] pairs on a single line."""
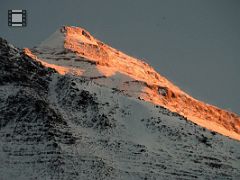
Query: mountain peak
{"points": [[73, 50], [69, 36], [78, 34]]}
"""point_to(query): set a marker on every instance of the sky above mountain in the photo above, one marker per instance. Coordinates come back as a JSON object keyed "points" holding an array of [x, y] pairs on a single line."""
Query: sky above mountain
{"points": [[193, 43]]}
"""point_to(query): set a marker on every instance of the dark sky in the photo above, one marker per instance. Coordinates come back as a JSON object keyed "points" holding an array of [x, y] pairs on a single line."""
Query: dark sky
{"points": [[195, 44]]}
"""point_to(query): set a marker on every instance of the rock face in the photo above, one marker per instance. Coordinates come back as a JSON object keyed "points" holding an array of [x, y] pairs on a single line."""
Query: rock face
{"points": [[65, 116]]}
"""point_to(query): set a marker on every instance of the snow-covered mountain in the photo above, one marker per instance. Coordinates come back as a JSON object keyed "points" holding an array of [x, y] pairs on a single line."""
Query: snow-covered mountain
{"points": [[75, 108], [73, 50]]}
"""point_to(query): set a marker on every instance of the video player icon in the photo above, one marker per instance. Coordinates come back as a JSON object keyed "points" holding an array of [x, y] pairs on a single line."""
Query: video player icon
{"points": [[17, 18]]}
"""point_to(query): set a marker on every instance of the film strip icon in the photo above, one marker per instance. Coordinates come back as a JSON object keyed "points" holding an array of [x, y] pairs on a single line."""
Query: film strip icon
{"points": [[17, 18]]}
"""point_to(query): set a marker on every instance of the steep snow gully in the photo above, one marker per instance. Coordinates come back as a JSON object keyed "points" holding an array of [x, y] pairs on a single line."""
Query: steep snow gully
{"points": [[75, 108]]}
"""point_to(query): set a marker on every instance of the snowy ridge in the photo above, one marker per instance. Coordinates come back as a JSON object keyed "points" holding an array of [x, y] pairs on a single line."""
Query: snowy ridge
{"points": [[55, 41]]}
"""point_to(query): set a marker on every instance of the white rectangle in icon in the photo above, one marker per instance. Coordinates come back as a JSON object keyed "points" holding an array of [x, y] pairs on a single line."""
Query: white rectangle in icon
{"points": [[16, 11], [16, 17], [19, 25]]}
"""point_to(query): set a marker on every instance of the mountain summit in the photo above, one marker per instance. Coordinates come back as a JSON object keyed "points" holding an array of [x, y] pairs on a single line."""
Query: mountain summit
{"points": [[74, 50]]}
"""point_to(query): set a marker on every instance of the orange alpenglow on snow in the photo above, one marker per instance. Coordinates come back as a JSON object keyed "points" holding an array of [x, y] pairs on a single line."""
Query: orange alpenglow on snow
{"points": [[72, 50]]}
